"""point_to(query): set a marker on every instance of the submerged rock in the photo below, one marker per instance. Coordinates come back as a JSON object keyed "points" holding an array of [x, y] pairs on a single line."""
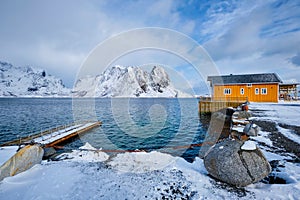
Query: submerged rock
{"points": [[229, 163]]}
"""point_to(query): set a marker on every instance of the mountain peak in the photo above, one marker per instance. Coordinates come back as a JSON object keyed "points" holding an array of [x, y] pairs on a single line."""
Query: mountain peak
{"points": [[29, 82], [128, 81], [117, 81]]}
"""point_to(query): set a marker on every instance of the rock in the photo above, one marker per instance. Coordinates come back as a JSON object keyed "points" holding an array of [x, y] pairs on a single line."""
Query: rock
{"points": [[48, 152], [227, 162], [238, 136], [24, 159], [219, 129], [242, 114], [251, 129], [227, 111], [87, 146]]}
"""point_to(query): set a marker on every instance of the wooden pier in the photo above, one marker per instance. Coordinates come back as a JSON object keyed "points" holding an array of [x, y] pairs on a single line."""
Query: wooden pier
{"points": [[56, 135], [209, 105]]}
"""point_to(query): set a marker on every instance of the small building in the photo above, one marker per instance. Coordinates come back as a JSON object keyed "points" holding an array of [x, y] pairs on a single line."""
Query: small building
{"points": [[251, 87], [288, 91]]}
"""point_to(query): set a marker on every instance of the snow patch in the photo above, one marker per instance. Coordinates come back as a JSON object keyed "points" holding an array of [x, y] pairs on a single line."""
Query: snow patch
{"points": [[87, 146], [289, 134], [140, 162], [86, 153], [249, 146], [264, 138]]}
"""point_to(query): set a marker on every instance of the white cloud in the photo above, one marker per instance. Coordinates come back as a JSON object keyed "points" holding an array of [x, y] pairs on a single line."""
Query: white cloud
{"points": [[57, 35], [296, 59], [248, 41]]}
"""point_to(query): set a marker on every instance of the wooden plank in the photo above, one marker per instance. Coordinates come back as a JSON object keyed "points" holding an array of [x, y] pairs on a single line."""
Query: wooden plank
{"points": [[38, 136], [74, 134], [213, 106]]}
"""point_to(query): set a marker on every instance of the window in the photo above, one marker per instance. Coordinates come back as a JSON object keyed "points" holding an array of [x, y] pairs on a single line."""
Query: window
{"points": [[242, 91], [263, 90], [249, 85], [256, 90], [227, 91]]}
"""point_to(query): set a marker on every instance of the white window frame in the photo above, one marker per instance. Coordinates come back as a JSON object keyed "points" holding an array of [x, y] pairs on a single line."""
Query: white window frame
{"points": [[242, 91], [264, 91], [256, 91], [227, 91]]}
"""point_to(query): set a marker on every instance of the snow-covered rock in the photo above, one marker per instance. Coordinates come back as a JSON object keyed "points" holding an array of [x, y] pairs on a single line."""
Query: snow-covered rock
{"points": [[87, 146], [249, 145], [29, 82], [24, 159], [121, 81], [230, 163]]}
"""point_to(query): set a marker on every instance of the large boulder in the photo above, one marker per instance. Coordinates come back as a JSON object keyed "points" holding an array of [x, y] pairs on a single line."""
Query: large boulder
{"points": [[229, 163], [24, 159], [219, 129]]}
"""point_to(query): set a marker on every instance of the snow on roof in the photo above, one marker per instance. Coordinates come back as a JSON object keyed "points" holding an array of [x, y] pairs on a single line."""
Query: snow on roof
{"points": [[244, 78]]}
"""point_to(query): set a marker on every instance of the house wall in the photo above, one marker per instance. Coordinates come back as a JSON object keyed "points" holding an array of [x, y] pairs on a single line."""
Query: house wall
{"points": [[271, 95]]}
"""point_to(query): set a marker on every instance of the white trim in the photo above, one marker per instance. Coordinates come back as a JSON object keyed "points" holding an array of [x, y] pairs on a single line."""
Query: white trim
{"points": [[256, 91], [227, 91], [264, 91], [242, 91]]}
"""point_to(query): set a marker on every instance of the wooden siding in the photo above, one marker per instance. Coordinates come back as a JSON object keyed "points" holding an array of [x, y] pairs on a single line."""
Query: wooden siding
{"points": [[213, 106], [249, 92]]}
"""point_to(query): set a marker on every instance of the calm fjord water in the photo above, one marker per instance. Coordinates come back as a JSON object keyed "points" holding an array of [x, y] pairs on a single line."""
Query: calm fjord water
{"points": [[128, 124]]}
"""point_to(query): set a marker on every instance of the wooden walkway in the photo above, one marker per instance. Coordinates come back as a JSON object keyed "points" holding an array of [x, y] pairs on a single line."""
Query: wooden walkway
{"points": [[55, 136], [208, 105]]}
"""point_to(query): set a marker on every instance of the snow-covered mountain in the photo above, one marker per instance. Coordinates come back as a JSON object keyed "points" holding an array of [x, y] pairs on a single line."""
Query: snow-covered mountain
{"points": [[121, 81], [116, 81], [29, 82]]}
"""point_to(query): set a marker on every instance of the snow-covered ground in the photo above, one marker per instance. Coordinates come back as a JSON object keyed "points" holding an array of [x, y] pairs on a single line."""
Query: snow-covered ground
{"points": [[91, 174], [283, 112], [287, 113], [6, 153]]}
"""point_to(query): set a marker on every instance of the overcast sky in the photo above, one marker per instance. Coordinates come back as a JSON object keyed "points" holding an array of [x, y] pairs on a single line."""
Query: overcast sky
{"points": [[240, 36]]}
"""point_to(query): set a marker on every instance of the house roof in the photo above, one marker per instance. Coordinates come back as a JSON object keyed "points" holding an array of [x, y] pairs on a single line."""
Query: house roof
{"points": [[287, 84], [244, 78]]}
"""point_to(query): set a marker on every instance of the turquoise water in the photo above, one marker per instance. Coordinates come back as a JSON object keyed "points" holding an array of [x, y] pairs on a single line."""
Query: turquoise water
{"points": [[149, 124]]}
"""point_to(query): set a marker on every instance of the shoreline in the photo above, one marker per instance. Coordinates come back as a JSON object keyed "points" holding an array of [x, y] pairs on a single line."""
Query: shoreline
{"points": [[282, 143]]}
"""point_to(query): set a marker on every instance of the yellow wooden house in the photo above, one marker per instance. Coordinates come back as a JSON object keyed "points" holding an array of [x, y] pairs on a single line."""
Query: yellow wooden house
{"points": [[251, 87]]}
